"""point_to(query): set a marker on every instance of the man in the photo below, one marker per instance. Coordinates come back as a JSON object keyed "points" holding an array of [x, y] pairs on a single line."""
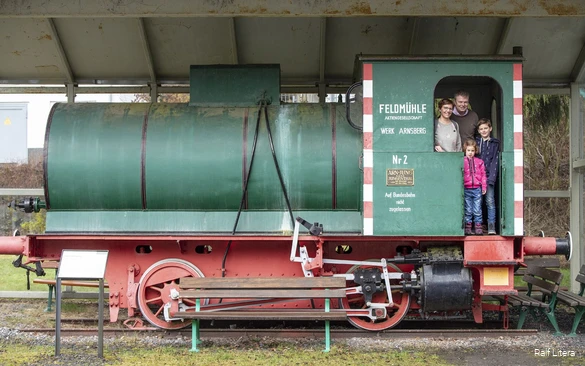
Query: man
{"points": [[466, 118]]}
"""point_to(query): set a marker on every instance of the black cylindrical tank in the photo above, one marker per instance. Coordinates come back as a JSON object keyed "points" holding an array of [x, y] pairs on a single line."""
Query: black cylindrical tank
{"points": [[446, 286]]}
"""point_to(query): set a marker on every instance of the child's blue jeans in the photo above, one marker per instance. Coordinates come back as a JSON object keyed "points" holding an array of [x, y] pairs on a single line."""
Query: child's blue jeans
{"points": [[472, 199], [490, 203]]}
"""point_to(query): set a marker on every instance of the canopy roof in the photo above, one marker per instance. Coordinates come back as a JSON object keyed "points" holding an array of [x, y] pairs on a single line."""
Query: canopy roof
{"points": [[154, 42]]}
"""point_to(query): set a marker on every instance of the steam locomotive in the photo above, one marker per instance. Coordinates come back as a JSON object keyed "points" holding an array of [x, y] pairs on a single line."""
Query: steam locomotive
{"points": [[234, 183]]}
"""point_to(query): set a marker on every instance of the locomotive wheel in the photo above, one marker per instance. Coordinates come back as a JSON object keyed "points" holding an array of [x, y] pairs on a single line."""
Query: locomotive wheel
{"points": [[394, 314], [155, 288]]}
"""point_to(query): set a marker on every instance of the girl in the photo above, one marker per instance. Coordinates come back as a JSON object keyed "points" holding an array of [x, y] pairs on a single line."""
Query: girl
{"points": [[475, 185]]}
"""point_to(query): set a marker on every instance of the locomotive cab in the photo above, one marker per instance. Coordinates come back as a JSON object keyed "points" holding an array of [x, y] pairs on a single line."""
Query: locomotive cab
{"points": [[413, 190]]}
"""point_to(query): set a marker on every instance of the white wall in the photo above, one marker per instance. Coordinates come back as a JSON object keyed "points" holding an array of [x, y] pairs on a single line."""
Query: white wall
{"points": [[39, 106]]}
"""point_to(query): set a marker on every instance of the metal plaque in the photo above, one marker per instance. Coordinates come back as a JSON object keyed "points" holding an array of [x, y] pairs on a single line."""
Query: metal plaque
{"points": [[400, 177], [83, 264]]}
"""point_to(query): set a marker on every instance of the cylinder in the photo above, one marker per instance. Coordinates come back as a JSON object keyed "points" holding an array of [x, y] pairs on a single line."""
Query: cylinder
{"points": [[132, 156], [16, 245], [446, 286], [547, 246]]}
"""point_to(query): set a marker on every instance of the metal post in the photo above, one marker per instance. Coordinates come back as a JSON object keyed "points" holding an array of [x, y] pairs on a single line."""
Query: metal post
{"points": [[327, 329], [70, 92], [195, 328], [50, 302], [58, 317], [576, 183], [153, 92], [322, 92], [101, 320]]}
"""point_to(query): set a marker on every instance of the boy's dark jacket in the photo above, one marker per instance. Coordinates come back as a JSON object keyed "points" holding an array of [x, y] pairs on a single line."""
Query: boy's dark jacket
{"points": [[489, 152]]}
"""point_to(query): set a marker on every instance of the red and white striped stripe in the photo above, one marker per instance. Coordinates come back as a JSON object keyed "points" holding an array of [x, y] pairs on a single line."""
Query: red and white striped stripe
{"points": [[368, 131], [518, 152]]}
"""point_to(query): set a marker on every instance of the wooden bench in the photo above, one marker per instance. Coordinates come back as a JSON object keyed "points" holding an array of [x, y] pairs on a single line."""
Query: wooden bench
{"points": [[237, 292], [576, 301], [538, 279], [51, 283], [553, 263]]}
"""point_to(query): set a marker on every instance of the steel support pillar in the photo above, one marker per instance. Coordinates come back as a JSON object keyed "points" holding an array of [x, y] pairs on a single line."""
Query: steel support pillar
{"points": [[576, 183], [70, 92], [153, 92], [322, 93]]}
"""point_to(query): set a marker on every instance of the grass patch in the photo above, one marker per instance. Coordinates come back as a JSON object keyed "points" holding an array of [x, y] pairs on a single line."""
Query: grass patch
{"points": [[279, 355], [14, 279], [17, 354], [565, 282], [274, 353]]}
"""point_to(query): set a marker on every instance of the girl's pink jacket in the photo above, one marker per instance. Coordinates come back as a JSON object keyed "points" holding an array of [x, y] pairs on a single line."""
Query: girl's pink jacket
{"points": [[474, 173]]}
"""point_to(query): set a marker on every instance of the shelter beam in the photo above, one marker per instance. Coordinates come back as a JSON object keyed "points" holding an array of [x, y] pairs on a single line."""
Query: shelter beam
{"points": [[60, 51], [149, 60], [578, 73], [579, 164], [413, 36], [234, 39], [576, 181], [504, 36], [322, 58], [341, 8], [547, 194], [22, 192]]}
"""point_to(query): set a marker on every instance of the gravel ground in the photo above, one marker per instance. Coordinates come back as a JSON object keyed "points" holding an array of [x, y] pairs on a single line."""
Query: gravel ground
{"points": [[540, 349], [462, 351]]}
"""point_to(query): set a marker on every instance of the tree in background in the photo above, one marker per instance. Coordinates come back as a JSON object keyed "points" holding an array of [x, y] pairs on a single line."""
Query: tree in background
{"points": [[19, 175], [546, 162], [163, 98], [36, 224]]}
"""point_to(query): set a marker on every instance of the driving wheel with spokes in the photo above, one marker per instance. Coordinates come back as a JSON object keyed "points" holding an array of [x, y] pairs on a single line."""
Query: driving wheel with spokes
{"points": [[155, 288], [394, 314]]}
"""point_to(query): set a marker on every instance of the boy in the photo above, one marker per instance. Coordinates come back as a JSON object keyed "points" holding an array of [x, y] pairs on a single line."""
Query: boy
{"points": [[489, 152]]}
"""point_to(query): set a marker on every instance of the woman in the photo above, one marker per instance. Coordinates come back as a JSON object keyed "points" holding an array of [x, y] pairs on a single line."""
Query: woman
{"points": [[447, 137]]}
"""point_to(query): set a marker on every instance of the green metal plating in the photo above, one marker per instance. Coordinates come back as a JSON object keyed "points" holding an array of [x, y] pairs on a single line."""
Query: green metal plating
{"points": [[93, 156], [190, 222], [424, 196], [174, 158], [234, 85]]}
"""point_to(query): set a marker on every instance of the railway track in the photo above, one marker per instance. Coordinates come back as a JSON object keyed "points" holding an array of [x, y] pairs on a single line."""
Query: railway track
{"points": [[296, 333]]}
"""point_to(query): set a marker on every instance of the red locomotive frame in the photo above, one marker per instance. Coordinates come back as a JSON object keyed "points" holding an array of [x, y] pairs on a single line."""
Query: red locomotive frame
{"points": [[143, 270]]}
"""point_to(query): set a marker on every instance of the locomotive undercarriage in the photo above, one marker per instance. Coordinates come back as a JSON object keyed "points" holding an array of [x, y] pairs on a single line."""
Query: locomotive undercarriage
{"points": [[385, 290], [428, 277]]}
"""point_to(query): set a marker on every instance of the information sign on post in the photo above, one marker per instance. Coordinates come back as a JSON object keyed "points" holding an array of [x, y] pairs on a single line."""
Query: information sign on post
{"points": [[81, 265]]}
